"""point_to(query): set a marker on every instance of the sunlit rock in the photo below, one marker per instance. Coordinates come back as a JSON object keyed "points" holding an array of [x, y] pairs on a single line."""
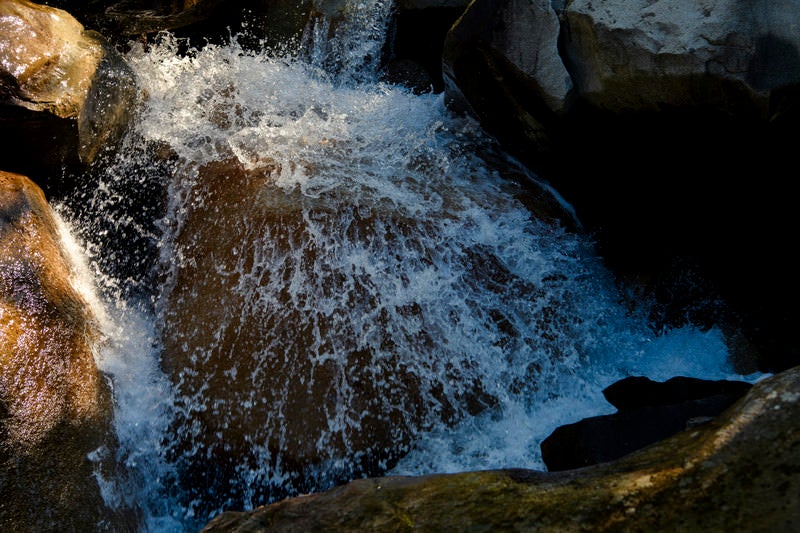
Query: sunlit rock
{"points": [[738, 473], [643, 55], [65, 93], [56, 406]]}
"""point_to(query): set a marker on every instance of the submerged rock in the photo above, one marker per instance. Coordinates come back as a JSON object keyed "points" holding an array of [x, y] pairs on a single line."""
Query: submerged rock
{"points": [[736, 473], [55, 405]]}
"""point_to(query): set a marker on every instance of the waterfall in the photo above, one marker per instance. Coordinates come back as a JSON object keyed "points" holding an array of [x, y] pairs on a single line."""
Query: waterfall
{"points": [[359, 241]]}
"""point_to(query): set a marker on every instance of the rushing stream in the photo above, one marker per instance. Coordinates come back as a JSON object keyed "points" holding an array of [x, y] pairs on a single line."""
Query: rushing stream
{"points": [[327, 237]]}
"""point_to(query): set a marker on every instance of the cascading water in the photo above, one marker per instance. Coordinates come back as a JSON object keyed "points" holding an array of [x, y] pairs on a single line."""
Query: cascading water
{"points": [[347, 283]]}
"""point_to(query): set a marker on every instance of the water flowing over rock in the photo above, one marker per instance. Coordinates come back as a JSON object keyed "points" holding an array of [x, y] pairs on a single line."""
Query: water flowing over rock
{"points": [[65, 92], [314, 275], [55, 405], [287, 347], [737, 473]]}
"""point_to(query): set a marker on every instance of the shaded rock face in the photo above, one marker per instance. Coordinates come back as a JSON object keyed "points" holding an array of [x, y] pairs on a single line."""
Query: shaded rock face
{"points": [[619, 56], [684, 115], [56, 405], [501, 62], [738, 472], [65, 94], [648, 411], [636, 55]]}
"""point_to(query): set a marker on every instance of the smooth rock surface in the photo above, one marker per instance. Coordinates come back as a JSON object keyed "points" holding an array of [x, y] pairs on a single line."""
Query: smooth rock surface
{"points": [[55, 405], [65, 93]]}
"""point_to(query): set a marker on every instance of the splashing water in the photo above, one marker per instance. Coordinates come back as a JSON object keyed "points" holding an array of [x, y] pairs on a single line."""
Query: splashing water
{"points": [[344, 249]]}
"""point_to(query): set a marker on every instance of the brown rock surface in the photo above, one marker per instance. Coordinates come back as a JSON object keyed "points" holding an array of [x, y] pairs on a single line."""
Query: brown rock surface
{"points": [[55, 406], [738, 473]]}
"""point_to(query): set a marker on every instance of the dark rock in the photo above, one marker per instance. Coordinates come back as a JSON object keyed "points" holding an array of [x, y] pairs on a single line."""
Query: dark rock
{"points": [[649, 411], [637, 391]]}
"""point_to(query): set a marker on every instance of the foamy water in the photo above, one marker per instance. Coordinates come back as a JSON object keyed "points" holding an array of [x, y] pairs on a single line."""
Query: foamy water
{"points": [[518, 304]]}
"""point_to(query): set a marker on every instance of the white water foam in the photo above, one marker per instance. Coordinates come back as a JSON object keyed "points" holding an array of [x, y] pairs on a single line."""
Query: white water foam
{"points": [[361, 144], [127, 353]]}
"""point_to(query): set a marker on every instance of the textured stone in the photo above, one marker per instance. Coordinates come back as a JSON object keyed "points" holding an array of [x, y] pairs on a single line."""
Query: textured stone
{"points": [[55, 405], [65, 93], [738, 473]]}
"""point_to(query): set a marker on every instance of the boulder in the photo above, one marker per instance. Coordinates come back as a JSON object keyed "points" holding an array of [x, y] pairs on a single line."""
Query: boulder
{"points": [[639, 391], [65, 93], [650, 55], [501, 63], [269, 333], [520, 67], [737, 473], [56, 437], [648, 411], [285, 383]]}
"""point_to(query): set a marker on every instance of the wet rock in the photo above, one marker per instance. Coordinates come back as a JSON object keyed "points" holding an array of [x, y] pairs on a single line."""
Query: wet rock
{"points": [[648, 412], [281, 345], [292, 353], [136, 17], [736, 473], [55, 420], [65, 93]]}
